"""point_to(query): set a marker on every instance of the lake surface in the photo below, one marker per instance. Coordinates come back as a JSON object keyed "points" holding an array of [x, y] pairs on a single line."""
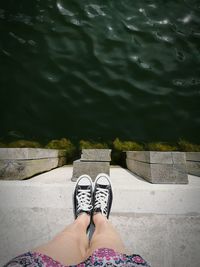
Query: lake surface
{"points": [[100, 69]]}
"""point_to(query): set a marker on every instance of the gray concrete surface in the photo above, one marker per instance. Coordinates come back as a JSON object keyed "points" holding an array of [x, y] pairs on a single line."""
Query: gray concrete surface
{"points": [[193, 163], [158, 167], [20, 163], [170, 157], [30, 153], [92, 168], [160, 222], [96, 155]]}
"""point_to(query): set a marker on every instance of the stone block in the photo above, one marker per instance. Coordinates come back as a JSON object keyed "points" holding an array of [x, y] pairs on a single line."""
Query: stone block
{"points": [[140, 168], [91, 168], [193, 163], [21, 163], [96, 155], [165, 170], [30, 153], [157, 156], [144, 156]]}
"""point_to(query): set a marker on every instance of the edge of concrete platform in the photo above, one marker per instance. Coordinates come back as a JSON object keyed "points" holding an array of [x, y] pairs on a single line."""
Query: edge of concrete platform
{"points": [[134, 196], [159, 222]]}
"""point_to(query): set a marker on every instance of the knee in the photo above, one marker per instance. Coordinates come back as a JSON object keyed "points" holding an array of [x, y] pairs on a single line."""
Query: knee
{"points": [[68, 235], [103, 238]]}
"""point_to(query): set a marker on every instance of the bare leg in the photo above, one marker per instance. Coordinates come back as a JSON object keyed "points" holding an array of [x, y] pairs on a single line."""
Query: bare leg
{"points": [[105, 236], [70, 246]]}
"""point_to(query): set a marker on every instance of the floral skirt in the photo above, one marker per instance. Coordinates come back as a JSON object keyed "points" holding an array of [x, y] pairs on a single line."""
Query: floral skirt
{"points": [[100, 257]]}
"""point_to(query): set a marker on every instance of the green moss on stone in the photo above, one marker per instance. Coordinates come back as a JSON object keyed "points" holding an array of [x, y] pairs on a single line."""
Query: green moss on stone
{"points": [[187, 146], [64, 144], [118, 147], [158, 146], [24, 144], [3, 145], [126, 145], [118, 157], [92, 145]]}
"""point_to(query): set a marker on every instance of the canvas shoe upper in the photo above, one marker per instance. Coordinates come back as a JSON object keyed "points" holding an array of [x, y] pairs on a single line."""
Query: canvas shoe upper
{"points": [[102, 199], [83, 196]]}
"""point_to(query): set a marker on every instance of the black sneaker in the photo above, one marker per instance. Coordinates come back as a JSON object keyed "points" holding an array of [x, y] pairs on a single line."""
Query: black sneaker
{"points": [[83, 196], [102, 195]]}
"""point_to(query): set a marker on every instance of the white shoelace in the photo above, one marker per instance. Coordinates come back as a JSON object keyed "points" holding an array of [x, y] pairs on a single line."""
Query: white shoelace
{"points": [[101, 200], [84, 199]]}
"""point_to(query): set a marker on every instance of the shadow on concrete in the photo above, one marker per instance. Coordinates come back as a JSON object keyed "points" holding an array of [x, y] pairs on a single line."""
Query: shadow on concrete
{"points": [[136, 176]]}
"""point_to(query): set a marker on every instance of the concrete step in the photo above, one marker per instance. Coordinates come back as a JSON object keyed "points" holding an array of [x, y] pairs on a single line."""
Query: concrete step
{"points": [[160, 222]]}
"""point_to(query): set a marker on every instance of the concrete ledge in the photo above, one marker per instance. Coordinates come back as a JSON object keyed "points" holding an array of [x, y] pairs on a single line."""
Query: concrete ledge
{"points": [[158, 167], [21, 163], [160, 222], [131, 193], [92, 162], [157, 157], [193, 163], [96, 155], [30, 153], [92, 168]]}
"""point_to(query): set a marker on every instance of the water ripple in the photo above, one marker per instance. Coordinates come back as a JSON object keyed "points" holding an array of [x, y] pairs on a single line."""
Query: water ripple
{"points": [[93, 10], [64, 11], [19, 39], [2, 14], [162, 37], [127, 65]]}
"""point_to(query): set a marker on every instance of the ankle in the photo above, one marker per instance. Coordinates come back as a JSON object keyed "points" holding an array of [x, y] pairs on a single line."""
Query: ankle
{"points": [[83, 219], [98, 218]]}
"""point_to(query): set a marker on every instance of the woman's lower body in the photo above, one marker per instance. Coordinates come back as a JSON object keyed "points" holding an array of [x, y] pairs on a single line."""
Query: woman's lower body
{"points": [[71, 247], [68, 249], [101, 257]]}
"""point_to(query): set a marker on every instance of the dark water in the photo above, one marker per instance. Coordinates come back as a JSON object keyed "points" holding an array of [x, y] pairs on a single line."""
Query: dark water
{"points": [[100, 69]]}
